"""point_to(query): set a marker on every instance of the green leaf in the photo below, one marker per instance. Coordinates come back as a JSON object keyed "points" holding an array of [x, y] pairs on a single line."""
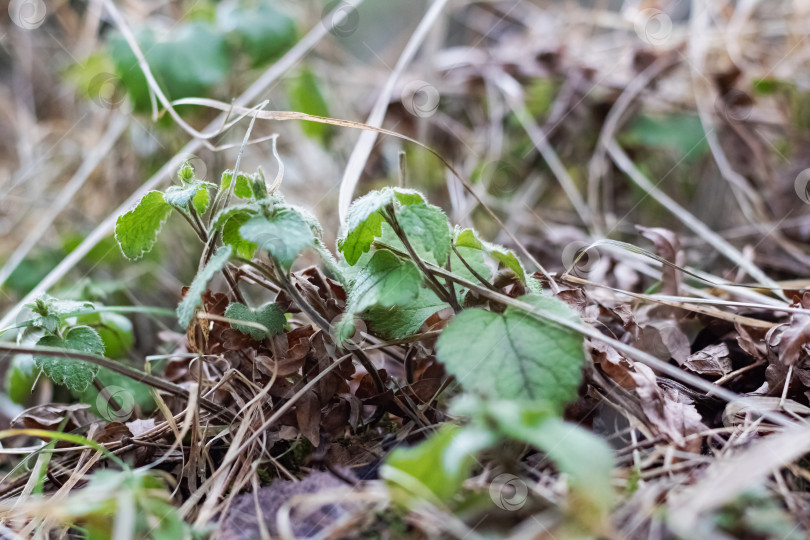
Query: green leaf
{"points": [[401, 321], [364, 220], [20, 378], [435, 469], [429, 225], [383, 286], [136, 231], [115, 331], [193, 298], [475, 259], [243, 187], [269, 315], [261, 31], [309, 218], [513, 355], [232, 237], [305, 96], [127, 392], [201, 200], [468, 238], [225, 214], [386, 281], [406, 196], [195, 192], [284, 234], [507, 258], [195, 60], [75, 374], [49, 313], [186, 172], [364, 224], [583, 457], [188, 62]]}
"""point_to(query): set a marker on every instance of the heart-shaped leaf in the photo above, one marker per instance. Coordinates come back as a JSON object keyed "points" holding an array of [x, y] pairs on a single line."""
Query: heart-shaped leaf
{"points": [[269, 315], [75, 374], [513, 355]]}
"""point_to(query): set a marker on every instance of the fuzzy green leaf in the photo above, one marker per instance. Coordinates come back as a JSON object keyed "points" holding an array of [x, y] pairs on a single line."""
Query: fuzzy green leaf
{"points": [[401, 321], [386, 281], [136, 231], [309, 218], [193, 298], [75, 374], [284, 234], [513, 355], [49, 313], [225, 214], [468, 238], [507, 258], [186, 172], [243, 187], [364, 220], [201, 201], [363, 223], [384, 285], [429, 224], [232, 237], [475, 259], [195, 192], [406, 196], [269, 315]]}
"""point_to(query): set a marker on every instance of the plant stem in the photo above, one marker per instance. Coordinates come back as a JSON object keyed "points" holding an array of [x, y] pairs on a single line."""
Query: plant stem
{"points": [[200, 234], [196, 218], [283, 280], [432, 282], [200, 230], [477, 276], [109, 398], [134, 374], [232, 283]]}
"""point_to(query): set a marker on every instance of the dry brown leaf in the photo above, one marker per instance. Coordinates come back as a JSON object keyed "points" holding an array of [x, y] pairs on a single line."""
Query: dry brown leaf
{"points": [[664, 339], [113, 432], [789, 339], [308, 415], [713, 360], [670, 412], [751, 344], [613, 364], [50, 416]]}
